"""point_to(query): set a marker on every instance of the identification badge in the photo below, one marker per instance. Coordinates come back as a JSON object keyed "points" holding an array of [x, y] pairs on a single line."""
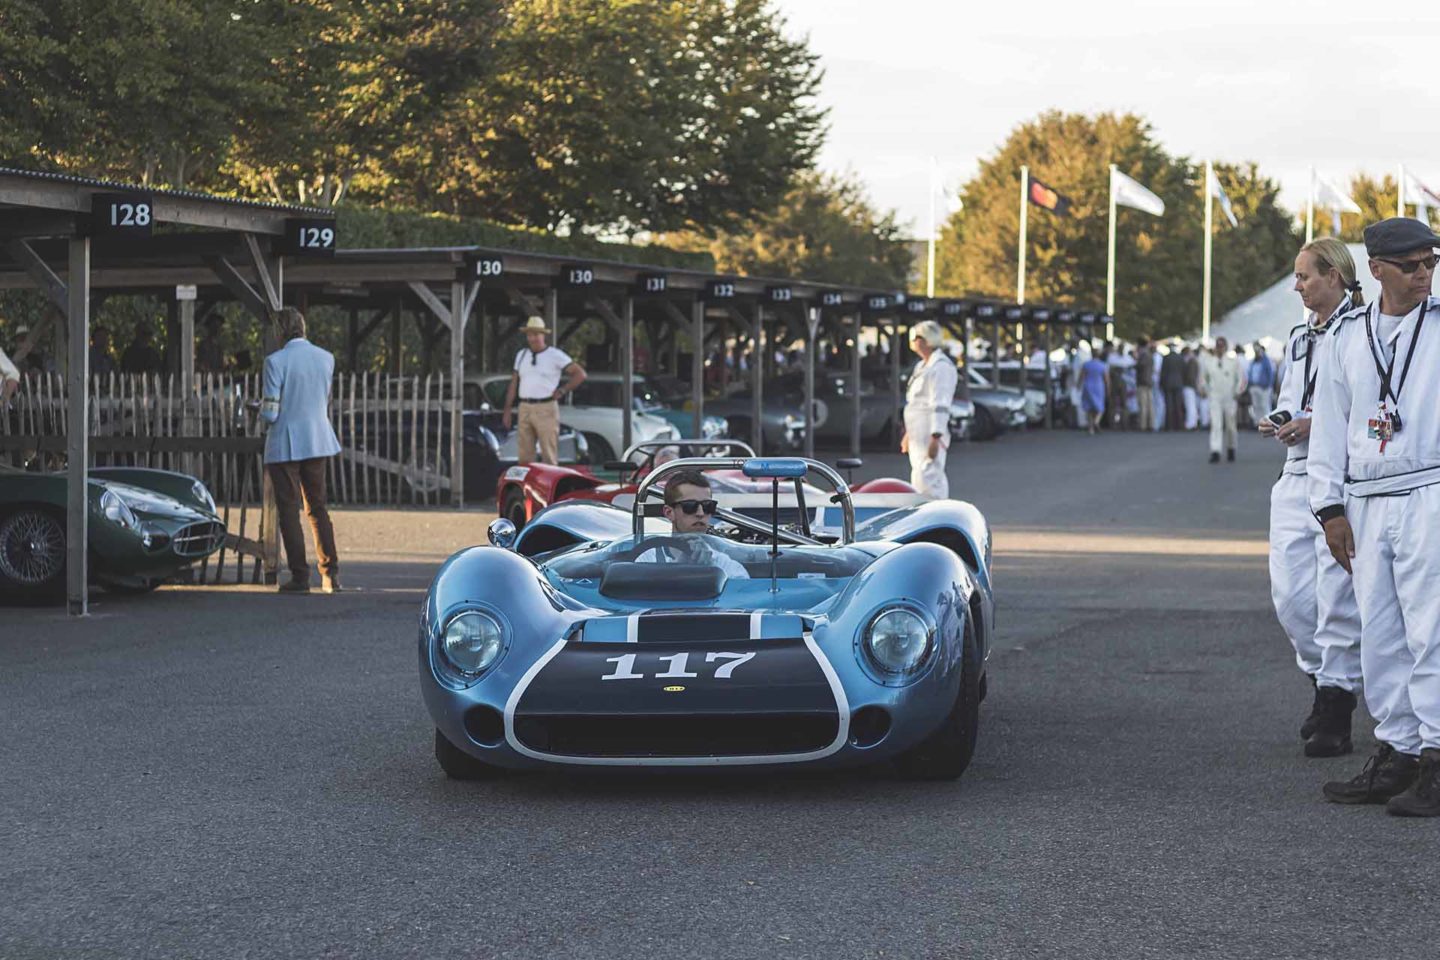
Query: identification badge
{"points": [[1382, 427]]}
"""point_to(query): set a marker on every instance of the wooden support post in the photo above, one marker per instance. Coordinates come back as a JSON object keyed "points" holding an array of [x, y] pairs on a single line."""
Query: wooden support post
{"points": [[397, 366], [757, 379], [77, 428], [897, 343], [855, 382], [458, 301], [995, 356], [1049, 386], [627, 370], [812, 328], [697, 362]]}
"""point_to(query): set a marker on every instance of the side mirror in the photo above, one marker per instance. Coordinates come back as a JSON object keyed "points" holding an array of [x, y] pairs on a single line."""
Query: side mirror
{"points": [[502, 533]]}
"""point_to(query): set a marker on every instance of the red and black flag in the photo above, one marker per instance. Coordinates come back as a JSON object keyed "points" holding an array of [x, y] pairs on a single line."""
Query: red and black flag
{"points": [[1049, 198]]}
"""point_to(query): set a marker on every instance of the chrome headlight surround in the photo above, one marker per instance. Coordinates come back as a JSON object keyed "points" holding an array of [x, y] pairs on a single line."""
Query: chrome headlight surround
{"points": [[471, 640], [897, 644], [202, 495], [116, 510]]}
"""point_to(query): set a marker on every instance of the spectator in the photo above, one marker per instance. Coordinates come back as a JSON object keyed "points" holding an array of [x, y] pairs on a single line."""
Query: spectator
{"points": [[1144, 380], [1157, 392], [1095, 384], [1118, 413], [209, 352], [537, 372], [297, 445], [1222, 381], [9, 379], [1192, 386], [141, 356], [102, 361], [1172, 381], [1079, 356], [1261, 377]]}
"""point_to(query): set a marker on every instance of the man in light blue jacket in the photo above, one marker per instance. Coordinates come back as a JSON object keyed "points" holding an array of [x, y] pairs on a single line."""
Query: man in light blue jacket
{"points": [[299, 442]]}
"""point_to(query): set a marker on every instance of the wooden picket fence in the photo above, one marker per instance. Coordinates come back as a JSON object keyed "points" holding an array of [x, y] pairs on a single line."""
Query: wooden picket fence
{"points": [[393, 433]]}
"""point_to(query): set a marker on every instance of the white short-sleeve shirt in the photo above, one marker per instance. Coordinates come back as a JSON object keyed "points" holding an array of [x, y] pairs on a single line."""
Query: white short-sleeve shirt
{"points": [[540, 372]]}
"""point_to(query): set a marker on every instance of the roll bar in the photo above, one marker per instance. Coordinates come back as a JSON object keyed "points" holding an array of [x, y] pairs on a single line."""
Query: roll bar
{"points": [[646, 446], [841, 494]]}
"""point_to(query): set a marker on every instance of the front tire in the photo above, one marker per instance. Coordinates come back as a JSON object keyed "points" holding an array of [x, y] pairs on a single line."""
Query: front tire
{"points": [[513, 508], [33, 548], [983, 426], [600, 450], [946, 753], [459, 765]]}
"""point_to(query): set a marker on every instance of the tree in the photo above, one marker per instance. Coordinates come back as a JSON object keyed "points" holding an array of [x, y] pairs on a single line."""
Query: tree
{"points": [[825, 229], [1158, 259], [143, 90], [629, 116]]}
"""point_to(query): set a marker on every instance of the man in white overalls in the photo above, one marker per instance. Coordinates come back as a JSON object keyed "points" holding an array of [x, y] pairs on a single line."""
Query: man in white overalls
{"points": [[928, 399], [1375, 485]]}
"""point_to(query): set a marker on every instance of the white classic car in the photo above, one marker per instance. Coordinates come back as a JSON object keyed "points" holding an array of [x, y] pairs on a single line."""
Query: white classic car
{"points": [[602, 426]]}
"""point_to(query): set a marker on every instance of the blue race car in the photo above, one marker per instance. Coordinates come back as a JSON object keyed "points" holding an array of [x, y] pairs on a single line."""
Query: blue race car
{"points": [[599, 638]]}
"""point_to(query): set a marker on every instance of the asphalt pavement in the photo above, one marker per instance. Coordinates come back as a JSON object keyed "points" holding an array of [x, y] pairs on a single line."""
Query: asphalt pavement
{"points": [[223, 772]]}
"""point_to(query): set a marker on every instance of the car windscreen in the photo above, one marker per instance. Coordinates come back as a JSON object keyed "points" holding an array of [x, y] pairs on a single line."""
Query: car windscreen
{"points": [[792, 562]]}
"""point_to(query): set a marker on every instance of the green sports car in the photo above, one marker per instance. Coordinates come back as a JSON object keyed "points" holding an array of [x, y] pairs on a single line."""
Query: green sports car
{"points": [[145, 526]]}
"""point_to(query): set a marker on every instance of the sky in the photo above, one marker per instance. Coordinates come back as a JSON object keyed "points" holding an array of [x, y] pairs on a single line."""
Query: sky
{"points": [[1344, 87]]}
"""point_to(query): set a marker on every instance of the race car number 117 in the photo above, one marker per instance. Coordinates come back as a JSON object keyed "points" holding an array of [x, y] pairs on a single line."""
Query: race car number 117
{"points": [[677, 666]]}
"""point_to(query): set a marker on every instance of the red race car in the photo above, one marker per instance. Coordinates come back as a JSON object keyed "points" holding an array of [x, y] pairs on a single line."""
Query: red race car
{"points": [[526, 489]]}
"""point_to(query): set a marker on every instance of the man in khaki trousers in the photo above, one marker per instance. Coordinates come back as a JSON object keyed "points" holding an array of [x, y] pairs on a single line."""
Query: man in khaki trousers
{"points": [[298, 444], [536, 377]]}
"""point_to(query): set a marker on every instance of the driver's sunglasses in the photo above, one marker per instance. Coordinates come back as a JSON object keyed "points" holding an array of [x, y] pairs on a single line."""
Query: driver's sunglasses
{"points": [[688, 507], [1410, 266]]}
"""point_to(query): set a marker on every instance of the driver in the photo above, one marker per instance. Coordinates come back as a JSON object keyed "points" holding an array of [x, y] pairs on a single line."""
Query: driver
{"points": [[689, 508]]}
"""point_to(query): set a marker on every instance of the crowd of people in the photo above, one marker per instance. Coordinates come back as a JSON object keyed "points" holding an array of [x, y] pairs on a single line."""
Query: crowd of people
{"points": [[1171, 386]]}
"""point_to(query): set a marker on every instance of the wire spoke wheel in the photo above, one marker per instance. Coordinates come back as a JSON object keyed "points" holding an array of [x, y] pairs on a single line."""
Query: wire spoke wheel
{"points": [[32, 547]]}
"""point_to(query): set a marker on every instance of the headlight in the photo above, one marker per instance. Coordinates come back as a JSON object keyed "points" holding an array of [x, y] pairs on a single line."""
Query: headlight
{"points": [[793, 422], [198, 491], [898, 641], [116, 510], [714, 427], [472, 642]]}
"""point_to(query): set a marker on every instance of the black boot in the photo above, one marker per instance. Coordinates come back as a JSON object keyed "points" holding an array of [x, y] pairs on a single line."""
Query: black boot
{"points": [[1308, 727], [1331, 737], [1230, 454], [1214, 458], [1386, 774], [1423, 797]]}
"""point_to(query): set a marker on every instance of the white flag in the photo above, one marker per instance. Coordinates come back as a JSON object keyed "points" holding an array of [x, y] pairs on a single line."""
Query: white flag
{"points": [[1420, 195], [1131, 193], [1331, 196], [1218, 192]]}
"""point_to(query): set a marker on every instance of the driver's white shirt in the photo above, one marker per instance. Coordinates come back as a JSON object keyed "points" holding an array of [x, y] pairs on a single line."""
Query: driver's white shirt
{"points": [[704, 553]]}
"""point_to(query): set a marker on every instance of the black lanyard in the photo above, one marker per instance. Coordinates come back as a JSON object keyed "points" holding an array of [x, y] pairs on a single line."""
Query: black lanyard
{"points": [[1311, 335], [1386, 391]]}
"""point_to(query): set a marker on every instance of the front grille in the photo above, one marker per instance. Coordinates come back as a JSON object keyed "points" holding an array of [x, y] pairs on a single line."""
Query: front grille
{"points": [[199, 539], [722, 735]]}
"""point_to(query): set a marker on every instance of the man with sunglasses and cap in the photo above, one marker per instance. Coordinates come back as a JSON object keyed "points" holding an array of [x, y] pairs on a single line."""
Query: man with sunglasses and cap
{"points": [[690, 507], [1374, 469], [536, 377]]}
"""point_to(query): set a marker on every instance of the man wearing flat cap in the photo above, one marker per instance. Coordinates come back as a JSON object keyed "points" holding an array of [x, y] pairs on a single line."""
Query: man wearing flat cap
{"points": [[928, 399], [1374, 483], [536, 377]]}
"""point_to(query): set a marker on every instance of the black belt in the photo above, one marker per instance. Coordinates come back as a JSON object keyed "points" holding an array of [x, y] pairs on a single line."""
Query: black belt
{"points": [[537, 399]]}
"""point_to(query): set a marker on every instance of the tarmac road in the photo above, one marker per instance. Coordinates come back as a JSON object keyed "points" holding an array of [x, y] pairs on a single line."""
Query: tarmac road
{"points": [[221, 772]]}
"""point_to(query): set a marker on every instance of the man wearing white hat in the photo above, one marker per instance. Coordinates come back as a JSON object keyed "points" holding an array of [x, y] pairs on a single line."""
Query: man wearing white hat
{"points": [[537, 372], [928, 399]]}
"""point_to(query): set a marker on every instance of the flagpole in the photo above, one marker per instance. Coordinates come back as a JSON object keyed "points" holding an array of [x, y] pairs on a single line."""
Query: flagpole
{"points": [[1209, 239], [930, 255], [1024, 223], [1400, 193], [1310, 209], [1110, 261]]}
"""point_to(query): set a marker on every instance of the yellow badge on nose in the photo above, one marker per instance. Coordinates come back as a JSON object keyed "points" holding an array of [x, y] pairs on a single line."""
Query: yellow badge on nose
{"points": [[674, 689]]}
